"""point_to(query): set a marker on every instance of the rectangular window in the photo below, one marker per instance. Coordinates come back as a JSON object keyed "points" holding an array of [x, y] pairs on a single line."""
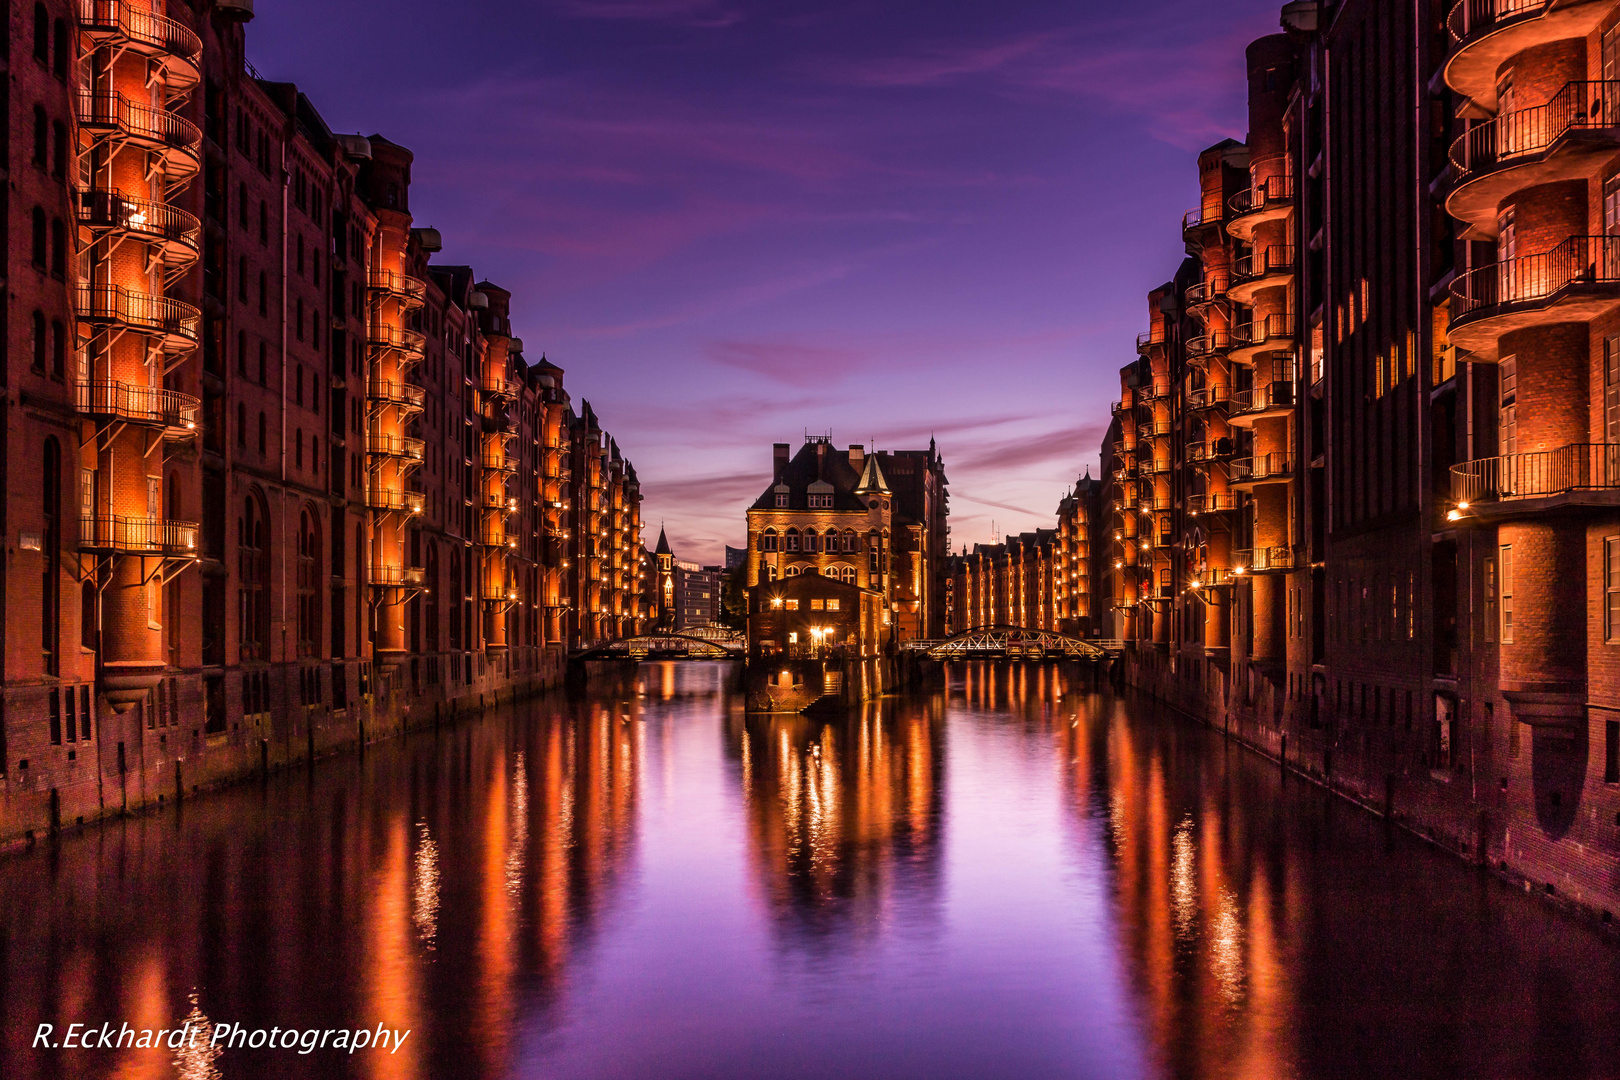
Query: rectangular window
{"points": [[1611, 391], [832, 605], [781, 500], [1488, 572], [1611, 752], [818, 605], [790, 605], [1508, 430], [1505, 566], [1611, 589]]}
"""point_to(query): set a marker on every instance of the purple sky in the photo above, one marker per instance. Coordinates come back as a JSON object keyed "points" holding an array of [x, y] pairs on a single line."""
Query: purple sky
{"points": [[734, 220]]}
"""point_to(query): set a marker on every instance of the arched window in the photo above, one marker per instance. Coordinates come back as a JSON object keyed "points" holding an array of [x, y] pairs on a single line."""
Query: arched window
{"points": [[848, 575], [793, 571], [40, 347], [59, 48], [253, 576], [851, 541], [241, 425], [812, 542], [58, 248], [771, 573], [39, 253], [309, 583], [51, 585], [768, 541], [264, 432], [59, 149], [298, 448], [41, 127], [792, 540], [42, 34]]}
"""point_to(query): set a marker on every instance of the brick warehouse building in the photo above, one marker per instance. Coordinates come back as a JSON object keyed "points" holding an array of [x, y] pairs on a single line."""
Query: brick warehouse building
{"points": [[874, 520], [274, 482], [1359, 497]]}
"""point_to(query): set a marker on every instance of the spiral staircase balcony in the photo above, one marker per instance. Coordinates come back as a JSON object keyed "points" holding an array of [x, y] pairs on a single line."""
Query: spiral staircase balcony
{"points": [[173, 141], [1203, 295], [403, 395], [1270, 559], [173, 323], [497, 462], [1270, 267], [1201, 347], [1487, 33], [399, 447], [1201, 223], [396, 577], [1578, 474], [407, 344], [1214, 396], [172, 234], [1271, 199], [1561, 140], [410, 292], [1147, 342], [173, 413], [396, 501], [174, 49], [1217, 502], [149, 537], [1275, 468], [1577, 281], [1272, 333], [1266, 401]]}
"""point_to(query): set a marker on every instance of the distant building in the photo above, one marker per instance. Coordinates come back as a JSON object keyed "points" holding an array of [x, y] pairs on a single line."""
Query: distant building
{"points": [[736, 557], [837, 514], [697, 594]]}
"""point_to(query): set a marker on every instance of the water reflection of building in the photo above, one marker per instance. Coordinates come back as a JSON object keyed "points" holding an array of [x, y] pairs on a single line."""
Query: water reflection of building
{"points": [[1207, 923], [449, 890], [844, 817]]}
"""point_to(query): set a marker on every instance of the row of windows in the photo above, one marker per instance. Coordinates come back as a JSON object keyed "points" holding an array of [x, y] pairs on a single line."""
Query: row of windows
{"points": [[814, 541]]}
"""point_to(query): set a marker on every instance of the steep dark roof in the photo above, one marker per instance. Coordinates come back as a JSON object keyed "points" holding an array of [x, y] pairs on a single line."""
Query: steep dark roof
{"points": [[816, 461], [663, 544]]}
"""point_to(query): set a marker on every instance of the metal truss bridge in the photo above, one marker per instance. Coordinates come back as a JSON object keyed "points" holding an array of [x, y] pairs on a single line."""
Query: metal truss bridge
{"points": [[699, 643], [1016, 643]]}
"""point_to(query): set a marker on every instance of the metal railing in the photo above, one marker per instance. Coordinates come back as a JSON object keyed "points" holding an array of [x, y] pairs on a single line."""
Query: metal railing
{"points": [[137, 535], [1213, 341], [139, 311], [1263, 559], [1211, 503], [138, 404], [106, 18], [1200, 216], [497, 462], [1542, 473], [397, 338], [490, 501], [1206, 292], [1208, 397], [1261, 467], [1527, 132], [493, 534], [1580, 260], [1277, 394], [1472, 16], [109, 109], [404, 502], [395, 393], [1275, 259], [1259, 331], [143, 217], [390, 283], [496, 384], [398, 446], [1146, 341], [1273, 191], [396, 577]]}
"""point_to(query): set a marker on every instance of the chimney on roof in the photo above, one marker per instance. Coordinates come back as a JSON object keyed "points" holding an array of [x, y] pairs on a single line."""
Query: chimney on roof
{"points": [[780, 453], [857, 458]]}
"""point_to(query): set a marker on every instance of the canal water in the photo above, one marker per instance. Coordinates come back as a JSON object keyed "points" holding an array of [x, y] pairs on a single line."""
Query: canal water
{"points": [[1015, 876]]}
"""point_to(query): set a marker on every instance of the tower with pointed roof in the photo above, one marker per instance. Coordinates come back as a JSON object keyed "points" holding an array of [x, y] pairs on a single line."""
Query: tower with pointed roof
{"points": [[666, 582]]}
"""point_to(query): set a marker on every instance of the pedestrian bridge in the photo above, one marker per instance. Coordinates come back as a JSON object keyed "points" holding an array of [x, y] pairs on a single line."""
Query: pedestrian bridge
{"points": [[698, 643], [1016, 643]]}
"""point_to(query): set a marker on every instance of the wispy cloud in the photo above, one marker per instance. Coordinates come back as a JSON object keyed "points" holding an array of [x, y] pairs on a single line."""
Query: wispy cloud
{"points": [[703, 13]]}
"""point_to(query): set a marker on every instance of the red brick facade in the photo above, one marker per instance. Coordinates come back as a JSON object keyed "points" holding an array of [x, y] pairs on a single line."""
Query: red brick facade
{"points": [[275, 482]]}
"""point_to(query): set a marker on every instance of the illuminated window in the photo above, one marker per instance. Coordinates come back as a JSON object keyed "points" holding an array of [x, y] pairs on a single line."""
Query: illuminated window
{"points": [[790, 605], [832, 604], [768, 541], [1611, 589], [1505, 566], [818, 605]]}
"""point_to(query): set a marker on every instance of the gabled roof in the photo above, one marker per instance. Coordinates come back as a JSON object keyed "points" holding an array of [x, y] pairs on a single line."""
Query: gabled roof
{"points": [[824, 463], [663, 544], [872, 481]]}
